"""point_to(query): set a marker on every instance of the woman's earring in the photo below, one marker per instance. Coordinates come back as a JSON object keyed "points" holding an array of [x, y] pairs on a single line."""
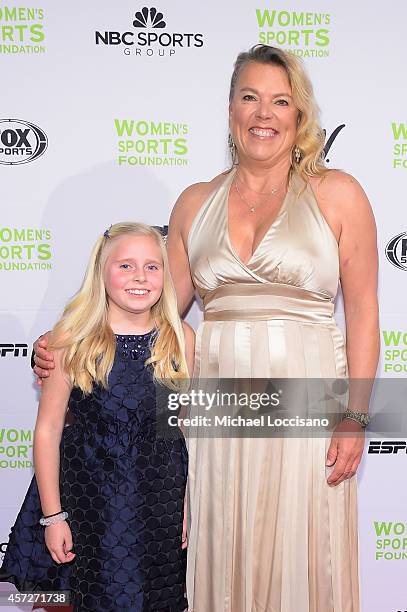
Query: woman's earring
{"points": [[232, 149], [297, 154]]}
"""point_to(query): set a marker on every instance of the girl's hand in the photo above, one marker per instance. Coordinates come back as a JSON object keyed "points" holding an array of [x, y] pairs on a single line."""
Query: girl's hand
{"points": [[345, 451], [58, 539], [44, 360]]}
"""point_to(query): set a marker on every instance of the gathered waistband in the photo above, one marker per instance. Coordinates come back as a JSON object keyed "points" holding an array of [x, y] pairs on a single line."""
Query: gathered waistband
{"points": [[268, 301]]}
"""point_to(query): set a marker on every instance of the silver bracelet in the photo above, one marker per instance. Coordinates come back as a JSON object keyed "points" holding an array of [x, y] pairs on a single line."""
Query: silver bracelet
{"points": [[360, 417], [52, 520]]}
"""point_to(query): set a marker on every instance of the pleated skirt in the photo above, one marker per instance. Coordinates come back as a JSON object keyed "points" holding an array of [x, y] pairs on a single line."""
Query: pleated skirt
{"points": [[266, 532]]}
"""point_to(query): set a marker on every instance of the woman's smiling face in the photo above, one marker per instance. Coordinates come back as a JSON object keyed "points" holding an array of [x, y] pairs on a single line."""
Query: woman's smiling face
{"points": [[262, 115]]}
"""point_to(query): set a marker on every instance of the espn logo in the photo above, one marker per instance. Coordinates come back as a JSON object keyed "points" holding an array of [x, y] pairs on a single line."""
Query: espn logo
{"points": [[387, 447], [13, 350]]}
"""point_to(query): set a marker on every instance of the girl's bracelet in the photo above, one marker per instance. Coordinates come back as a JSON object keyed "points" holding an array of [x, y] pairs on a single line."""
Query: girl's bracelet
{"points": [[55, 513], [52, 519]]}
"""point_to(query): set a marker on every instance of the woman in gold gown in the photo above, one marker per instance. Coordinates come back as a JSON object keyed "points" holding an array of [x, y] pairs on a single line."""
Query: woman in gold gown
{"points": [[271, 529]]}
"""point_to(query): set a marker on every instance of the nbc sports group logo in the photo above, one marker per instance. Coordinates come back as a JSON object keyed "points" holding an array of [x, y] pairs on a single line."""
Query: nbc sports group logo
{"points": [[147, 37], [21, 142]]}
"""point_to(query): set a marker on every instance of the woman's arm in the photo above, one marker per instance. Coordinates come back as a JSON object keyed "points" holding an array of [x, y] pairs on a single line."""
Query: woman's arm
{"points": [[358, 272], [190, 356], [358, 262], [177, 255], [182, 217], [189, 335]]}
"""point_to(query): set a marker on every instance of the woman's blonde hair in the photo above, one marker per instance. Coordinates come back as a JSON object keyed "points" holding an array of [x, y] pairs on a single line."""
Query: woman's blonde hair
{"points": [[84, 332], [310, 136]]}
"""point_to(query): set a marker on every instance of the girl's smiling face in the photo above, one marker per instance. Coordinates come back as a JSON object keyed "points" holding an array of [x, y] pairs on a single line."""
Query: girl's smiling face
{"points": [[134, 274]]}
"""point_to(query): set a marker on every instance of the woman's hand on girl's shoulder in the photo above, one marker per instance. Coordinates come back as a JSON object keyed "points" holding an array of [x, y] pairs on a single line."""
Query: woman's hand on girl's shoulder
{"points": [[189, 336], [43, 359]]}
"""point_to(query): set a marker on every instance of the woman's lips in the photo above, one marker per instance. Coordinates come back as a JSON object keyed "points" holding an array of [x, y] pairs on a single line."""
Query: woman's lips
{"points": [[263, 132]]}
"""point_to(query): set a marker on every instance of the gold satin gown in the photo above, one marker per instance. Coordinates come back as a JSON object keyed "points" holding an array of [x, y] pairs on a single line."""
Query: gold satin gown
{"points": [[266, 531]]}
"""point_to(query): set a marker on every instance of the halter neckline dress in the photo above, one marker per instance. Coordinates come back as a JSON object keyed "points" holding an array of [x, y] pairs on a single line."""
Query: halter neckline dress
{"points": [[266, 531]]}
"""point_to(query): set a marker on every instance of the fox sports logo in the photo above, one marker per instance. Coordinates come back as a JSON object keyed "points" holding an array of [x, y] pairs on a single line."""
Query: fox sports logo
{"points": [[20, 142]]}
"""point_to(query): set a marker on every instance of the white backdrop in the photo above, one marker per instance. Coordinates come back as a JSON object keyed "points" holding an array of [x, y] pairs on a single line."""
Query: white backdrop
{"points": [[80, 94]]}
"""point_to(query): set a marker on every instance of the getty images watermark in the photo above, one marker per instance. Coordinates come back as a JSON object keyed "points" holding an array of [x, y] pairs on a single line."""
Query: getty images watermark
{"points": [[199, 399], [279, 407]]}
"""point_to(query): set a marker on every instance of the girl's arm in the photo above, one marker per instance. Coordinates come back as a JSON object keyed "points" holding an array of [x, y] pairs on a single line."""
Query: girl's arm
{"points": [[47, 436]]}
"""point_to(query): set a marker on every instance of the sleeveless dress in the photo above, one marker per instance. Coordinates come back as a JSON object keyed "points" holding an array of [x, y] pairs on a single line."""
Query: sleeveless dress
{"points": [[124, 491], [266, 531]]}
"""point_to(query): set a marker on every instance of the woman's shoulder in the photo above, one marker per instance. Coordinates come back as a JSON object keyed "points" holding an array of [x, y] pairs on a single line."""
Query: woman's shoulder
{"points": [[193, 196], [336, 186], [189, 203], [341, 199]]}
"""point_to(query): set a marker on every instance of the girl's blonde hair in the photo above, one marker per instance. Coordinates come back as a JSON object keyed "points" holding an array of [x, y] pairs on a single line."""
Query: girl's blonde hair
{"points": [[310, 136], [84, 332]]}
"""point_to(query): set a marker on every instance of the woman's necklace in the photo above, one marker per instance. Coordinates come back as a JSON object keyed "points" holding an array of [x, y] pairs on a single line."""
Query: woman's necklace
{"points": [[251, 207]]}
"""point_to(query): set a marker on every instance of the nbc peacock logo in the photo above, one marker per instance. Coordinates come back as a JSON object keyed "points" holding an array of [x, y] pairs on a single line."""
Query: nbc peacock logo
{"points": [[150, 36], [149, 16]]}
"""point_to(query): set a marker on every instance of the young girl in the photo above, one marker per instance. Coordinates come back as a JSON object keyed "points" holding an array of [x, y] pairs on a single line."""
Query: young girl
{"points": [[108, 493]]}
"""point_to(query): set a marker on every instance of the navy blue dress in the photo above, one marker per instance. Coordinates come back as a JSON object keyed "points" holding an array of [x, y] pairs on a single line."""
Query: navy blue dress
{"points": [[124, 490]]}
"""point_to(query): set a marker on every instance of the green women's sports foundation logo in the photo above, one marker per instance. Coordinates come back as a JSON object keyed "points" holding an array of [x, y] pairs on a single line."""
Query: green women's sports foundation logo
{"points": [[16, 448], [395, 351], [21, 30], [25, 249], [391, 541], [306, 34], [144, 142], [399, 130]]}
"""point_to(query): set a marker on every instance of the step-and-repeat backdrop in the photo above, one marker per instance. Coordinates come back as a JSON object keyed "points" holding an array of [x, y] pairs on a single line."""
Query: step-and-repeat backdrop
{"points": [[108, 110]]}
